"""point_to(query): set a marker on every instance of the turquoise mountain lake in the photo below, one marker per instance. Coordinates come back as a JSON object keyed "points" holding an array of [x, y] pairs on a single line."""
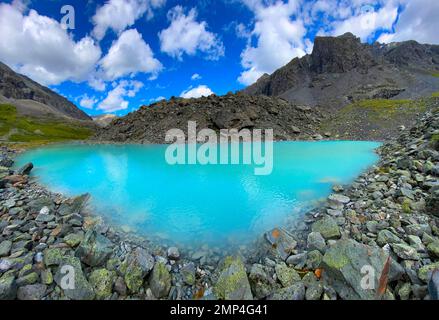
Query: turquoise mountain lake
{"points": [[133, 185]]}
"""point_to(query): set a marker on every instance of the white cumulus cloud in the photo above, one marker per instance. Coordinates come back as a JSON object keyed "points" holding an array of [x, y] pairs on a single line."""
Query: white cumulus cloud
{"points": [[417, 21], [200, 91], [279, 38], [186, 35], [195, 76], [87, 102], [118, 15], [40, 48], [116, 98], [129, 55]]}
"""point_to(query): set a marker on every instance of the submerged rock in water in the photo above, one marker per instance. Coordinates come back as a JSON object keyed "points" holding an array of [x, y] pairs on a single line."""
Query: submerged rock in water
{"points": [[344, 266], [232, 282]]}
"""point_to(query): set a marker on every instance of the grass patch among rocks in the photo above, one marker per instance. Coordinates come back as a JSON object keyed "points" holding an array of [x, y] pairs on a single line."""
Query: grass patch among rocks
{"points": [[374, 119], [16, 128]]}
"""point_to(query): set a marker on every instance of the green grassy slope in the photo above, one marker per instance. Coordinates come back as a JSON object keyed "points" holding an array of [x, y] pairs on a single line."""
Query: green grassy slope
{"points": [[376, 119], [15, 128]]}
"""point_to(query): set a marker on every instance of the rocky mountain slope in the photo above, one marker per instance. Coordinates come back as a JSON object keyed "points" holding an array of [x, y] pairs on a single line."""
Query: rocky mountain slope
{"points": [[104, 119], [33, 99], [150, 123], [342, 70]]}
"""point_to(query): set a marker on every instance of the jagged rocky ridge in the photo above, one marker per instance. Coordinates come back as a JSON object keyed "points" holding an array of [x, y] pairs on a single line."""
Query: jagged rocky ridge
{"points": [[342, 70], [20, 91], [387, 220], [149, 124]]}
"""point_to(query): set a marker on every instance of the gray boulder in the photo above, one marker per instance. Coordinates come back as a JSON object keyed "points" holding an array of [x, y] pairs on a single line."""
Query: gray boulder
{"points": [[344, 266], [327, 227], [72, 281], [31, 292], [26, 169], [136, 267], [95, 249], [232, 282], [8, 287], [160, 281]]}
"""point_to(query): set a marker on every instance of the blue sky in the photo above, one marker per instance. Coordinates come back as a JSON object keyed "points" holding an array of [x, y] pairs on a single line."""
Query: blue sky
{"points": [[122, 54]]}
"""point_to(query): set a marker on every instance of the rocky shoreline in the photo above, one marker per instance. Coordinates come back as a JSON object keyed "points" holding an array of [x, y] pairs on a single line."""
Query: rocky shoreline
{"points": [[376, 239]]}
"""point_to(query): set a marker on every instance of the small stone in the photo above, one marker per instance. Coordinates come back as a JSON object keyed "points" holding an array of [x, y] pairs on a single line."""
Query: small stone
{"points": [[315, 241], [286, 275], [53, 256], [74, 239], [31, 292], [433, 249], [46, 277], [188, 273], [297, 260], [327, 227], [120, 287], [294, 292], [173, 253], [5, 248], [387, 237], [405, 251]]}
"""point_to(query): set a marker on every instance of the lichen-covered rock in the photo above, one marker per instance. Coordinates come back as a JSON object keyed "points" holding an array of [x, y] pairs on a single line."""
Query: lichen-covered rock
{"points": [[74, 239], [343, 264], [293, 292], [425, 272], [232, 282], [53, 256], [327, 227], [5, 248], [286, 275], [405, 251], [102, 282], [433, 249], [188, 273], [260, 281], [160, 280], [8, 287], [387, 237], [136, 267], [94, 249], [71, 279]]}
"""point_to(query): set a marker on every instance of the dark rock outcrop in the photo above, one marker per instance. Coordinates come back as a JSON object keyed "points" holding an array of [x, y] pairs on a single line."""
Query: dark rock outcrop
{"points": [[342, 69]]}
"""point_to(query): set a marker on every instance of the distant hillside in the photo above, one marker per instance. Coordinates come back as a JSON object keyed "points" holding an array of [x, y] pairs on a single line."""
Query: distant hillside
{"points": [[342, 70], [33, 99], [104, 120]]}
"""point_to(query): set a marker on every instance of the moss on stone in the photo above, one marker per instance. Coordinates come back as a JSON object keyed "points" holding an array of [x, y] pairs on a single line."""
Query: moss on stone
{"points": [[102, 283]]}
